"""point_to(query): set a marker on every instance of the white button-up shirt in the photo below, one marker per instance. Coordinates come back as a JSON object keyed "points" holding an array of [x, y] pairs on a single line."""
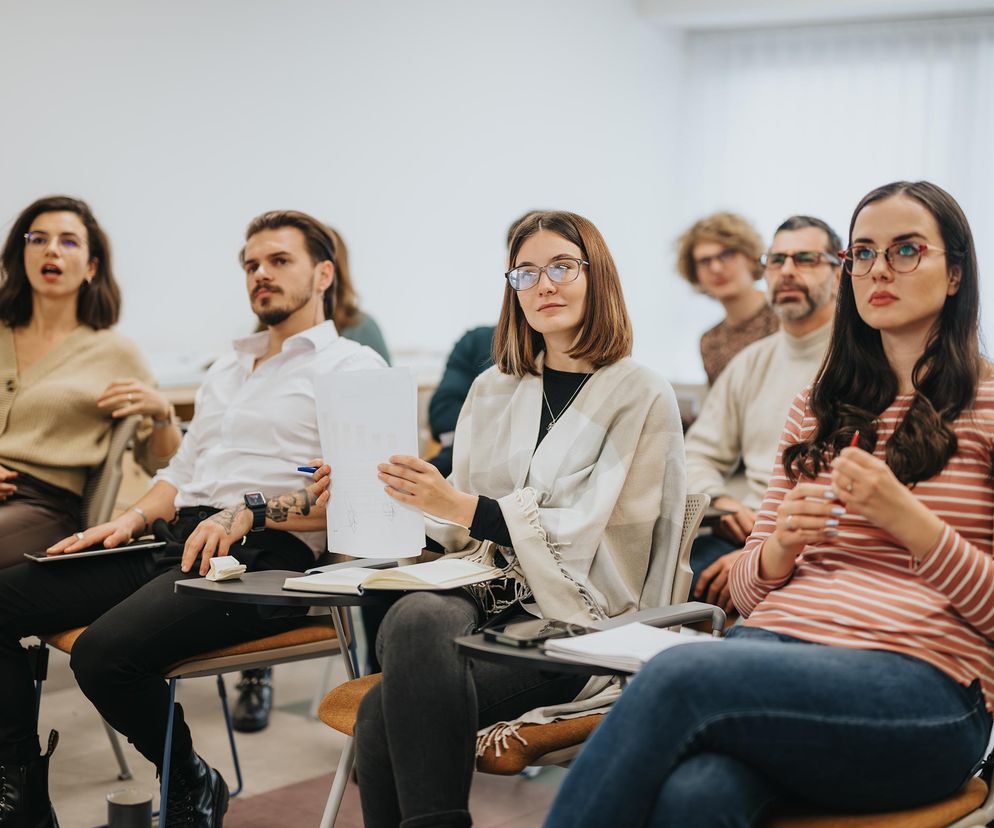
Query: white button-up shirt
{"points": [[252, 428]]}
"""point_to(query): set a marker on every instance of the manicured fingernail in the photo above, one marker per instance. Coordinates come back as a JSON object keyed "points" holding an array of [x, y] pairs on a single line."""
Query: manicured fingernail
{"points": [[831, 522], [831, 532], [838, 511], [828, 494]]}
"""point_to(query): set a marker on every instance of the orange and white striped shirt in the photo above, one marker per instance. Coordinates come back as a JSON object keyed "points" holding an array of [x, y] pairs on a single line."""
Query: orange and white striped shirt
{"points": [[861, 589]]}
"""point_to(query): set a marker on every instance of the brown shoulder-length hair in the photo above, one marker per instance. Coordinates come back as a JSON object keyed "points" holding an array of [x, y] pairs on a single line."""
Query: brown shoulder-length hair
{"points": [[605, 334], [98, 303], [856, 383], [346, 302]]}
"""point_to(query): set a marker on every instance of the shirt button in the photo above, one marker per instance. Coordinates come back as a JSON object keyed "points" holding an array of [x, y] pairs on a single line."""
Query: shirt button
{"points": [[10, 385]]}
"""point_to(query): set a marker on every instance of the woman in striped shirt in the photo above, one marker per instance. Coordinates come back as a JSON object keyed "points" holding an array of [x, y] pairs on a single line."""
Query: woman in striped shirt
{"points": [[862, 678]]}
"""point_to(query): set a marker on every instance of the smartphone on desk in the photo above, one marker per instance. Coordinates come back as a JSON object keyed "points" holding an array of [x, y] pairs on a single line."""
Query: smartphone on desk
{"points": [[532, 632]]}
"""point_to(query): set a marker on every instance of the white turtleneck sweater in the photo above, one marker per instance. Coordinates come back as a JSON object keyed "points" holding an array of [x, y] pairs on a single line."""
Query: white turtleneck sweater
{"points": [[744, 413]]}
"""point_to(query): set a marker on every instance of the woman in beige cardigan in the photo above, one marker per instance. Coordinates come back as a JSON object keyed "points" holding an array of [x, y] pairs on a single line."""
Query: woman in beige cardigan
{"points": [[568, 476], [64, 375]]}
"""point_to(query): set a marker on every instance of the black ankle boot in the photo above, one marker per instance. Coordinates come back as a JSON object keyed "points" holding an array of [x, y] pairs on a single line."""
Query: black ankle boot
{"points": [[24, 801], [255, 700], [198, 796]]}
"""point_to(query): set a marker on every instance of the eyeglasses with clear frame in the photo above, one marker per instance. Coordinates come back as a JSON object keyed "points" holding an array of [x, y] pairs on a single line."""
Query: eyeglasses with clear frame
{"points": [[560, 272], [722, 258], [803, 259], [39, 241], [902, 257]]}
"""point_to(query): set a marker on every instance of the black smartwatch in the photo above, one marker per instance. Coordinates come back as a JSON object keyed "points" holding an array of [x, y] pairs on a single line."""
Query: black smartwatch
{"points": [[255, 502]]}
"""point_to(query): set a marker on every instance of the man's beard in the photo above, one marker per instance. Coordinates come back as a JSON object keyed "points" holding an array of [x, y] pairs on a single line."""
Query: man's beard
{"points": [[812, 300], [275, 314]]}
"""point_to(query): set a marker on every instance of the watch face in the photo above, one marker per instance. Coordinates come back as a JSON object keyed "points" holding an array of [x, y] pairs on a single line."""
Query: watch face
{"points": [[254, 500]]}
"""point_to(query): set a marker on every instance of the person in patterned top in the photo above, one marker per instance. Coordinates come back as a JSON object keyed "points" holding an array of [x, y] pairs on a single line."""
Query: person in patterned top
{"points": [[862, 678]]}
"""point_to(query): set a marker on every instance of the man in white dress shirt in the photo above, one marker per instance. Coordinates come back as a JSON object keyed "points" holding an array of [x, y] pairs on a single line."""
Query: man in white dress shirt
{"points": [[255, 423]]}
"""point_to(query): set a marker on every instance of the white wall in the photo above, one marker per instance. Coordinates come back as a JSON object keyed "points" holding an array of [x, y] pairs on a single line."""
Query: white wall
{"points": [[419, 129]]}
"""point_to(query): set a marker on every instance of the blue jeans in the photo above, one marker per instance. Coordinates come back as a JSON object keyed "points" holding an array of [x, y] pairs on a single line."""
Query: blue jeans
{"points": [[721, 734]]}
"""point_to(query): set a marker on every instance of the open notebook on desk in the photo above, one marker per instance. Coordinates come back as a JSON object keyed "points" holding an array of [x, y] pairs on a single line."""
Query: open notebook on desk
{"points": [[627, 648], [445, 573]]}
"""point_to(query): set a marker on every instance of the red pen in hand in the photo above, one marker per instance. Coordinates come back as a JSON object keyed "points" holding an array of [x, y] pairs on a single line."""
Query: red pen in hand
{"points": [[855, 439]]}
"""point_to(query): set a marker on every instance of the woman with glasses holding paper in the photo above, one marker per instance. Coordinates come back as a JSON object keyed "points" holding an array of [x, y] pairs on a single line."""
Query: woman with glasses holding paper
{"points": [[862, 678], [65, 376], [568, 475]]}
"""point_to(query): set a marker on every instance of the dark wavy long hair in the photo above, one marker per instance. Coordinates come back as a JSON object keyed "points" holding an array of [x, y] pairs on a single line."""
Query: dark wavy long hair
{"points": [[856, 383], [99, 301]]}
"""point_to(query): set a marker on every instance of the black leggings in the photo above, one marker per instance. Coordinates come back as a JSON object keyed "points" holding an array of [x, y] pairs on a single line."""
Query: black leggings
{"points": [[138, 628], [416, 730]]}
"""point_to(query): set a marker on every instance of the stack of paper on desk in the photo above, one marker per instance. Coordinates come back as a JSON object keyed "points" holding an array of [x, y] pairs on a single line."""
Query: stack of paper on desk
{"points": [[445, 573], [626, 648]]}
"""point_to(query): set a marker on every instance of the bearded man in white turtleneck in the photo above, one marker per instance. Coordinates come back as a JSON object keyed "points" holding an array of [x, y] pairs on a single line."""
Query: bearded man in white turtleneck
{"points": [[744, 413]]}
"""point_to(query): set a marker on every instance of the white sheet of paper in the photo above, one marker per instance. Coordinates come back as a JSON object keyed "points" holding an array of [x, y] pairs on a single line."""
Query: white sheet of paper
{"points": [[364, 417]]}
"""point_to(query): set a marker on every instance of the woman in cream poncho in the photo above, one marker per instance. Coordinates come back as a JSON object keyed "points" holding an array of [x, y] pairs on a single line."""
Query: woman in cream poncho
{"points": [[568, 474]]}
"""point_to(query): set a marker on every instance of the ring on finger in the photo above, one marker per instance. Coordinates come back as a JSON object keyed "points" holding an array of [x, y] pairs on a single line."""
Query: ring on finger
{"points": [[79, 536], [849, 487], [789, 519], [131, 397]]}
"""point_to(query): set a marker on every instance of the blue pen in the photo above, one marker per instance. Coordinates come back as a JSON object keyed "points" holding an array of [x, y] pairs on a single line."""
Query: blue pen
{"points": [[307, 469]]}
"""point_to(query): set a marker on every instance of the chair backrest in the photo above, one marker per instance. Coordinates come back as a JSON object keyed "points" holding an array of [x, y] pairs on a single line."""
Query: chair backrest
{"points": [[693, 514], [667, 580], [104, 480]]}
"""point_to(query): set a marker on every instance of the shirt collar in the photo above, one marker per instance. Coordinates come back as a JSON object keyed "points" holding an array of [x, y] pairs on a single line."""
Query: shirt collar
{"points": [[318, 337]]}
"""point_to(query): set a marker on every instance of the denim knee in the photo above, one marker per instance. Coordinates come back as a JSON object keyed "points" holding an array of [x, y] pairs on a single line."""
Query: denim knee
{"points": [[711, 790]]}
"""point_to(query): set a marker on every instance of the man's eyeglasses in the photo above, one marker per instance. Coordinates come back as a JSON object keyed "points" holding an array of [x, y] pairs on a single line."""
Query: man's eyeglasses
{"points": [[903, 257], [41, 240], [722, 258], [803, 259], [560, 271]]}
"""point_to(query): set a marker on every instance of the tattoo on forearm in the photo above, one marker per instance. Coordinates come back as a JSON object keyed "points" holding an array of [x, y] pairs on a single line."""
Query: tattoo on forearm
{"points": [[226, 517], [282, 508]]}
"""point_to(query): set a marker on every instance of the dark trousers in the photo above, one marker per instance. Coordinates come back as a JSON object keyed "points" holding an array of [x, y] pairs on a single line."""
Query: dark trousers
{"points": [[37, 515], [138, 628], [416, 730]]}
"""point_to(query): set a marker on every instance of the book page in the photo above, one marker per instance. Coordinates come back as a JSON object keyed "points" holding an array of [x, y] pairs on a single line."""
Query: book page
{"points": [[440, 572], [631, 641], [364, 417], [348, 579]]}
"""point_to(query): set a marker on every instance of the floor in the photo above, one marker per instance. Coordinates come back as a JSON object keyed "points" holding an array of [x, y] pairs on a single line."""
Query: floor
{"points": [[287, 768]]}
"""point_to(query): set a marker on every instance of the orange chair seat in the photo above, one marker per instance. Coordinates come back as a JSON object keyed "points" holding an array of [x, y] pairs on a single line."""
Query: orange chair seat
{"points": [[937, 815], [339, 708], [309, 634]]}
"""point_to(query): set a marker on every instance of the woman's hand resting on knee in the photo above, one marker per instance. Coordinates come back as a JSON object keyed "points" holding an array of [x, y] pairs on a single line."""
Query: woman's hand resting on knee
{"points": [[418, 483], [6, 487]]}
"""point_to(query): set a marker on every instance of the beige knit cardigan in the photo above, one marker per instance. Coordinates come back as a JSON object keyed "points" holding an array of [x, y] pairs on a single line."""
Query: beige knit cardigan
{"points": [[50, 426]]}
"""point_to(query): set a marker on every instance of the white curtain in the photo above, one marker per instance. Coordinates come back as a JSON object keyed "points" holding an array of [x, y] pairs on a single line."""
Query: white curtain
{"points": [[809, 119]]}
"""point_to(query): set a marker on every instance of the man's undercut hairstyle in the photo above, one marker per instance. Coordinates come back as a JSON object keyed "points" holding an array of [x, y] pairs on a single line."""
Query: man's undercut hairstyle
{"points": [[856, 382], [801, 222], [99, 302], [319, 240], [605, 334], [729, 230]]}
